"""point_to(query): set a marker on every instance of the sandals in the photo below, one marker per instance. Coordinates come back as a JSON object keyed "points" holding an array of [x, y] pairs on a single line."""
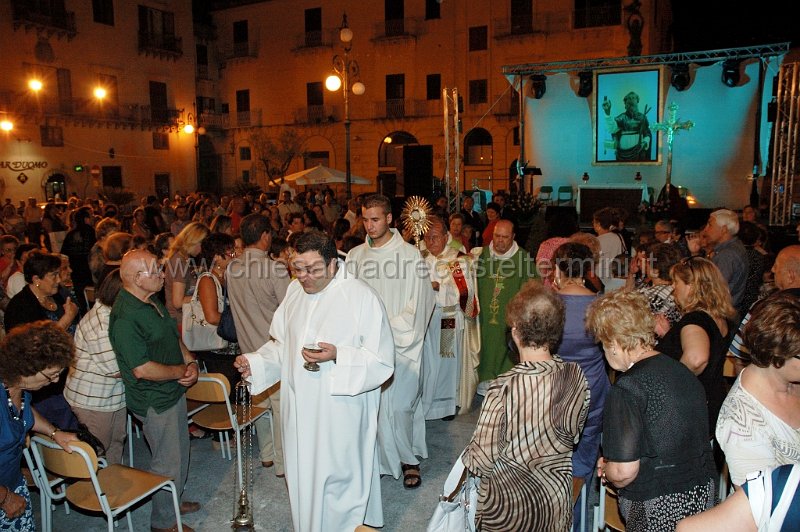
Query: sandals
{"points": [[411, 477]]}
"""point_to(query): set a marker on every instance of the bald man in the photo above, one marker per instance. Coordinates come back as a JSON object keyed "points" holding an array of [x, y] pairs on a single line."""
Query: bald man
{"points": [[157, 369], [502, 268], [786, 269]]}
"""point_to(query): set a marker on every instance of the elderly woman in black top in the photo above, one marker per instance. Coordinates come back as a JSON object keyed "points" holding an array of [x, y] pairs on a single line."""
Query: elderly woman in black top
{"points": [[655, 423]]}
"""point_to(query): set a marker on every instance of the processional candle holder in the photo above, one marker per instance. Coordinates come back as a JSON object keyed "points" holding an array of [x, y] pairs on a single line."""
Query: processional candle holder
{"points": [[242, 512]]}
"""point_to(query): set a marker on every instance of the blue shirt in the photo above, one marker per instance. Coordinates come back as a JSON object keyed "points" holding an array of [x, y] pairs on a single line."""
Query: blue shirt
{"points": [[12, 439]]}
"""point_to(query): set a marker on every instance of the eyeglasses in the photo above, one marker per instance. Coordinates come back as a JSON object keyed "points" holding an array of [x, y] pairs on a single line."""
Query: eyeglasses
{"points": [[51, 378]]}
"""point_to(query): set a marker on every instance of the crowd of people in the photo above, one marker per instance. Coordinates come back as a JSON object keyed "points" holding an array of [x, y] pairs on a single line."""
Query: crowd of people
{"points": [[592, 354]]}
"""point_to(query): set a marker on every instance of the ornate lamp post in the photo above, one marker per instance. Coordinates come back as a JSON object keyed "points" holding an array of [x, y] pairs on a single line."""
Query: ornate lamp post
{"points": [[346, 78]]}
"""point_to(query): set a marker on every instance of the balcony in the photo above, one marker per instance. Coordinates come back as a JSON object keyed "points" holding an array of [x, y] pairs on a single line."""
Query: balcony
{"points": [[310, 40], [205, 31], [212, 120], [167, 46], [401, 108], [505, 107], [50, 18], [240, 50], [317, 114], [544, 23], [399, 29], [248, 118]]}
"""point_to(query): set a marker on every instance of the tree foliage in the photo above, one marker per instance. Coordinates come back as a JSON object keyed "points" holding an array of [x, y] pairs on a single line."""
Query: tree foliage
{"points": [[277, 153]]}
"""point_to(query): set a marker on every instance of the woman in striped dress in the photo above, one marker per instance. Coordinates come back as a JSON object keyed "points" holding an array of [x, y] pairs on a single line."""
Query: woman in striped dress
{"points": [[531, 419]]}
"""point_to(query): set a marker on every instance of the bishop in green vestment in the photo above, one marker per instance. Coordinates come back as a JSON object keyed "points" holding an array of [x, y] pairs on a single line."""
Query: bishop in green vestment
{"points": [[502, 268]]}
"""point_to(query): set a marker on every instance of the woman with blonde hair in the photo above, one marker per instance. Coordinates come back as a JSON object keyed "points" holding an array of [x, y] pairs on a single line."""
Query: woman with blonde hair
{"points": [[701, 337], [179, 274], [655, 422]]}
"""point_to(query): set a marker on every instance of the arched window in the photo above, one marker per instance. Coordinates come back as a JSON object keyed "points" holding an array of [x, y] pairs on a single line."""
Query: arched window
{"points": [[387, 148], [478, 147], [56, 185]]}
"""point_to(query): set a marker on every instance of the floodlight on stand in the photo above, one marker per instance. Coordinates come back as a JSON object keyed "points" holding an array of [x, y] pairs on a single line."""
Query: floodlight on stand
{"points": [[731, 72], [680, 76], [585, 83], [538, 85]]}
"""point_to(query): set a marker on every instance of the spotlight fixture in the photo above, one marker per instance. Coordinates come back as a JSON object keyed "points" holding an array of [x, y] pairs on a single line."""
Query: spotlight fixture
{"points": [[680, 76], [585, 83], [731, 72], [538, 85]]}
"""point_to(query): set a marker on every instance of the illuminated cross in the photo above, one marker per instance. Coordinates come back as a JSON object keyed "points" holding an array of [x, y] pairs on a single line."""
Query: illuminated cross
{"points": [[671, 126]]}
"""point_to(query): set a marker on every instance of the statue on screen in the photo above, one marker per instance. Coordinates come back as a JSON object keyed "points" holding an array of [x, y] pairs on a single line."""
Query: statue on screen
{"points": [[630, 131]]}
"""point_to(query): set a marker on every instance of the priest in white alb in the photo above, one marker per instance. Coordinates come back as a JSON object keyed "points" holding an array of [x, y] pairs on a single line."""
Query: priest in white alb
{"points": [[396, 270], [451, 353], [330, 395]]}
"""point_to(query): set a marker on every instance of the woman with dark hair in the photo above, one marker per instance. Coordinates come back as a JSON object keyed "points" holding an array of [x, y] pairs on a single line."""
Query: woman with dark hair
{"points": [[216, 252], [492, 217], [757, 425], [139, 226], [53, 227], [310, 220], [655, 421], [34, 356], [570, 262], [526, 480], [77, 245], [94, 387], [749, 233], [222, 223]]}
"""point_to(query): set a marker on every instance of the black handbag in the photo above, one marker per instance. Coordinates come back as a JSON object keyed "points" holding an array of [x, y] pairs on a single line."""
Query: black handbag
{"points": [[226, 329]]}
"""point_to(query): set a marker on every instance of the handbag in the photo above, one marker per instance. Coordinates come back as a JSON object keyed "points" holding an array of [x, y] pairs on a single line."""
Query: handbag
{"points": [[455, 511], [227, 327], [198, 334]]}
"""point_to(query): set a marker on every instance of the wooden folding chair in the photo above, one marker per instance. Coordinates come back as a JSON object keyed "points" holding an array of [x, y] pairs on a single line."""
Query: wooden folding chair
{"points": [[214, 388], [50, 487], [112, 490]]}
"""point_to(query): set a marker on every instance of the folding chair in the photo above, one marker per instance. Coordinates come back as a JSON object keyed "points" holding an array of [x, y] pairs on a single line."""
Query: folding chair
{"points": [[565, 195], [546, 194], [88, 295], [112, 490], [55, 486], [214, 388], [607, 513]]}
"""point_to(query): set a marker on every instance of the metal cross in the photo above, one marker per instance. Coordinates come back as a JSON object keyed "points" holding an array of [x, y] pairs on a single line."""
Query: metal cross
{"points": [[671, 126]]}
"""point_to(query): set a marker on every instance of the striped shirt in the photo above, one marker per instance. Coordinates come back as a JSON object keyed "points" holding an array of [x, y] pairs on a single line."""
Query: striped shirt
{"points": [[91, 383]]}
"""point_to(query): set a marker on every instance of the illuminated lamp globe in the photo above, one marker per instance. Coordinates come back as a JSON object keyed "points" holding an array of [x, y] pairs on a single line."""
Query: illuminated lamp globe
{"points": [[35, 85], [188, 129], [201, 130], [358, 88], [333, 83], [99, 93], [6, 125], [345, 35]]}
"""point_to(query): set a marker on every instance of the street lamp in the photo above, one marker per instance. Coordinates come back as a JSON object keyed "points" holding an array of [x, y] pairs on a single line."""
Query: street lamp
{"points": [[346, 78]]}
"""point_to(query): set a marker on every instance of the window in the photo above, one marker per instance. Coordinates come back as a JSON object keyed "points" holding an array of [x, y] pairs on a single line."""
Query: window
{"points": [[110, 104], [314, 26], [521, 16], [394, 11], [478, 91], [160, 140], [202, 61], [433, 9], [313, 158], [595, 13], [241, 39], [516, 136], [103, 11], [395, 95], [157, 30], [244, 153], [314, 102], [434, 86], [52, 136], [158, 102], [243, 107], [112, 176], [478, 38]]}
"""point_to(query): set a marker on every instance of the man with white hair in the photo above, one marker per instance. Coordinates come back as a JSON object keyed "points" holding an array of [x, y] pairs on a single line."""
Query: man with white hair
{"points": [[729, 254]]}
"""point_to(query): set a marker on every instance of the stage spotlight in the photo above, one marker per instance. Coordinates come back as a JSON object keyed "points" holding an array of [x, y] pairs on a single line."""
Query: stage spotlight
{"points": [[730, 72], [680, 76], [585, 84], [538, 85]]}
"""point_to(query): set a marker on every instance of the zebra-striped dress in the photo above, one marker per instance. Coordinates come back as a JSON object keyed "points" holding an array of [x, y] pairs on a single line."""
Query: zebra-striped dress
{"points": [[531, 418]]}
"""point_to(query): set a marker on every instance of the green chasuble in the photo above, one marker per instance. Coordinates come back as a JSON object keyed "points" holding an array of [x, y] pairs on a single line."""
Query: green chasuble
{"points": [[498, 281]]}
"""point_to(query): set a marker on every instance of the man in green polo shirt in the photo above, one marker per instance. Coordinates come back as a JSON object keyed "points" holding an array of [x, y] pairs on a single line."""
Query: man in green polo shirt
{"points": [[157, 369]]}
